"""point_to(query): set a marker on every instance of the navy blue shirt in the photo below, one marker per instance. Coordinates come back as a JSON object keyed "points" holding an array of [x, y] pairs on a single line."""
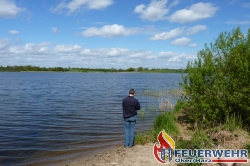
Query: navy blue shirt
{"points": [[130, 106]]}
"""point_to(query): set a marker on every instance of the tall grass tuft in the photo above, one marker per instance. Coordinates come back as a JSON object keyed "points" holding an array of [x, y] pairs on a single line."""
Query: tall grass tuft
{"points": [[233, 122], [165, 104], [166, 121]]}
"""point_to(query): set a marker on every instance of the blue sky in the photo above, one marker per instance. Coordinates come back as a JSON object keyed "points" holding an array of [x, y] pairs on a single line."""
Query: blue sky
{"points": [[114, 33]]}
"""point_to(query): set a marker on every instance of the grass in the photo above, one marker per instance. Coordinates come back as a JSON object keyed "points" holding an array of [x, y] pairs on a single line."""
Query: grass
{"points": [[145, 137], [164, 93], [233, 122], [197, 139], [166, 121], [142, 113], [228, 133]]}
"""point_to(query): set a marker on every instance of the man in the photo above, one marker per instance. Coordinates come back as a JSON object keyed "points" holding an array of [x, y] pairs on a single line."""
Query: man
{"points": [[130, 106]]}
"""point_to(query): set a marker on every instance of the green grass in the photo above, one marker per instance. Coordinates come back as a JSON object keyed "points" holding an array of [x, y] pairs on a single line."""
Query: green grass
{"points": [[233, 122], [142, 113], [166, 121], [145, 137]]}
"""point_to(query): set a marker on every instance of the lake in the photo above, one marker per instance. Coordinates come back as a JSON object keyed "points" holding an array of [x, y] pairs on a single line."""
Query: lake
{"points": [[48, 117]]}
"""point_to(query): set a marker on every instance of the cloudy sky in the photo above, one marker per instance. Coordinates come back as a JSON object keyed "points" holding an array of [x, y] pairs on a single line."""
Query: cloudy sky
{"points": [[113, 33]]}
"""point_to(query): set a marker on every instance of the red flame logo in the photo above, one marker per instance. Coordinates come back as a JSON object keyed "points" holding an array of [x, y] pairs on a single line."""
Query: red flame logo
{"points": [[165, 141]]}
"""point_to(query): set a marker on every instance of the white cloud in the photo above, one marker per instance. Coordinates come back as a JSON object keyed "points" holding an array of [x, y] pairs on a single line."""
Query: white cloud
{"points": [[9, 9], [193, 45], [67, 48], [13, 32], [193, 13], [78, 5], [47, 55], [168, 54], [167, 35], [109, 31], [4, 43], [154, 11], [196, 29], [181, 41], [178, 58], [54, 30]]}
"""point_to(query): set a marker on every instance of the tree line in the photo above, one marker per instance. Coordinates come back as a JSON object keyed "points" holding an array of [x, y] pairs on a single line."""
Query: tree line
{"points": [[28, 68]]}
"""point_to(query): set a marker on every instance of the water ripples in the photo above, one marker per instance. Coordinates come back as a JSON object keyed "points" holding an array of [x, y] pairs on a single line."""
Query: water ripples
{"points": [[49, 117]]}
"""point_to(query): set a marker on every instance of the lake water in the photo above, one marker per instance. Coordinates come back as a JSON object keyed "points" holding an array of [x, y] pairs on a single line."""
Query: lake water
{"points": [[50, 117]]}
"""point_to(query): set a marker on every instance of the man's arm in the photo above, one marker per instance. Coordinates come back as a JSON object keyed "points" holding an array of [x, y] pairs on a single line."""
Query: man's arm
{"points": [[138, 106]]}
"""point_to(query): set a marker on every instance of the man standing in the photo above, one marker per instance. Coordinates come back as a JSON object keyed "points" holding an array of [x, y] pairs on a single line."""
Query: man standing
{"points": [[130, 106]]}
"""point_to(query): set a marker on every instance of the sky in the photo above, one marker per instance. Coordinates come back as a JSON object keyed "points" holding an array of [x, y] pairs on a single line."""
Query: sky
{"points": [[114, 33]]}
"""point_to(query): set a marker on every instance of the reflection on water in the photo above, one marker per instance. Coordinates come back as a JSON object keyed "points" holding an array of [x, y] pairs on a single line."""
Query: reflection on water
{"points": [[46, 117]]}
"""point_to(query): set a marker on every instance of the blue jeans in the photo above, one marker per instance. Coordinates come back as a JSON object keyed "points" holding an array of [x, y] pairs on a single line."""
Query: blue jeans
{"points": [[129, 126]]}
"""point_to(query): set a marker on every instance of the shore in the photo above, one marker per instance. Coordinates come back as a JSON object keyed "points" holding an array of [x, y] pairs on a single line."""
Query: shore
{"points": [[142, 155], [139, 155]]}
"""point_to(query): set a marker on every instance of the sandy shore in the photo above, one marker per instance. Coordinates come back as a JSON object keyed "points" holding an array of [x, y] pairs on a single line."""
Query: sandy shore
{"points": [[139, 155], [142, 155]]}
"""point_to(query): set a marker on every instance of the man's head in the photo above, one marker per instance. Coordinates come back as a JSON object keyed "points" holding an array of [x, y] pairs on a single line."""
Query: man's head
{"points": [[131, 92]]}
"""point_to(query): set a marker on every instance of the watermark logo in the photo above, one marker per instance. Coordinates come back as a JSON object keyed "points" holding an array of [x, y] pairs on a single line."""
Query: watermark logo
{"points": [[164, 152]]}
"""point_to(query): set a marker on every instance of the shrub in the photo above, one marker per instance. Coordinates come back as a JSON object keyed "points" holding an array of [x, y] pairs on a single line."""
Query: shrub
{"points": [[217, 82]]}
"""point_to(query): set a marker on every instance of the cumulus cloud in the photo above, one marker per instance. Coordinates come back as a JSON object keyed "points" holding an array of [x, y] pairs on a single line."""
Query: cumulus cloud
{"points": [[47, 55], [196, 29], [9, 9], [168, 35], [193, 45], [178, 58], [154, 11], [168, 54], [193, 13], [54, 30], [181, 41], [78, 5], [13, 32], [110, 31]]}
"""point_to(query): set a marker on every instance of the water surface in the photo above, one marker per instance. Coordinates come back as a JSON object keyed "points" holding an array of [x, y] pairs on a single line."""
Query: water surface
{"points": [[48, 117]]}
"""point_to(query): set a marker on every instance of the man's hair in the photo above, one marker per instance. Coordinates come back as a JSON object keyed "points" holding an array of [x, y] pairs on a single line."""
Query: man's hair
{"points": [[131, 91]]}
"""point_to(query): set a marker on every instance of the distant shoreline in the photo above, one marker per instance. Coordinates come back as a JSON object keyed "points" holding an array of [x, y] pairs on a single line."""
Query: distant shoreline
{"points": [[29, 68], [85, 72]]}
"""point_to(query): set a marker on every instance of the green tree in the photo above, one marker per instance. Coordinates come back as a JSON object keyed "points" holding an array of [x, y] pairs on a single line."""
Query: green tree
{"points": [[131, 69], [140, 69], [217, 83]]}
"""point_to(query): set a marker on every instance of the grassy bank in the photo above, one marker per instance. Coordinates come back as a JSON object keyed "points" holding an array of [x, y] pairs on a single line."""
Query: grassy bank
{"points": [[231, 134]]}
